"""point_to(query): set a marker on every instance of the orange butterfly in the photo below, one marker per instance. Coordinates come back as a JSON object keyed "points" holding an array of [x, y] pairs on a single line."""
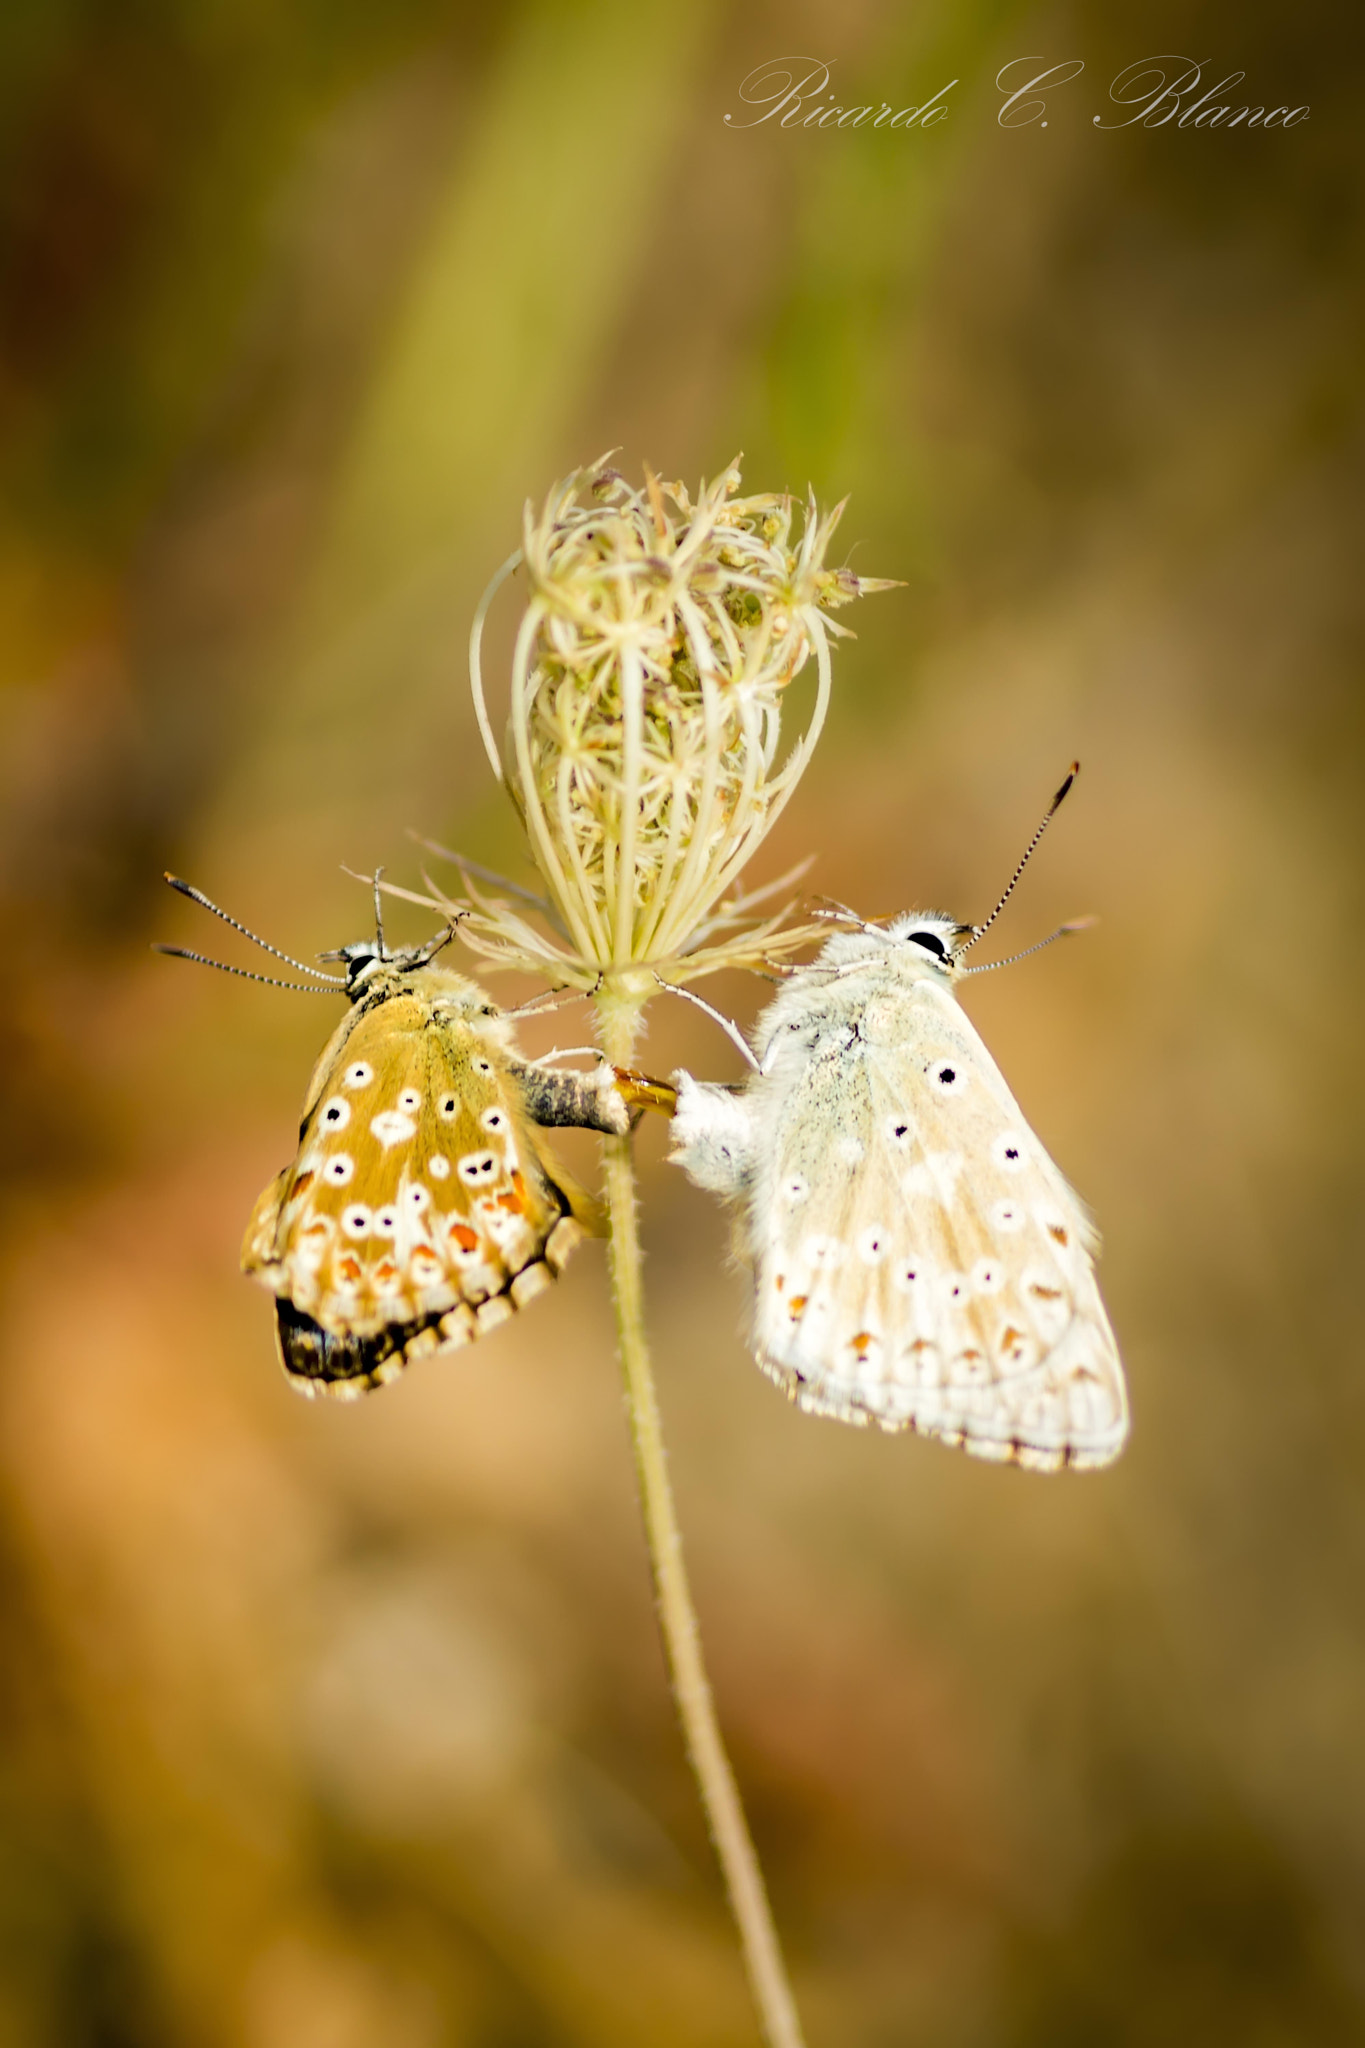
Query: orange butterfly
{"points": [[422, 1207]]}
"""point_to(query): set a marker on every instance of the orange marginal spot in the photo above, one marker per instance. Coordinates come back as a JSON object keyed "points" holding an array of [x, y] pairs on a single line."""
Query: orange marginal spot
{"points": [[1055, 1230], [385, 1271], [464, 1237], [780, 1282], [861, 1342], [305, 1180], [349, 1267], [922, 1344], [1010, 1336], [1045, 1293], [319, 1227], [797, 1304]]}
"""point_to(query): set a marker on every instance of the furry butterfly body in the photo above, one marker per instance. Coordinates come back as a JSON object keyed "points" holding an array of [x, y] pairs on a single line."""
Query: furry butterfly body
{"points": [[423, 1207], [919, 1261]]}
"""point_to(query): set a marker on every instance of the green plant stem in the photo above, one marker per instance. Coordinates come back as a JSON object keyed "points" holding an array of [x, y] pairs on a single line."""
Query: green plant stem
{"points": [[677, 1616]]}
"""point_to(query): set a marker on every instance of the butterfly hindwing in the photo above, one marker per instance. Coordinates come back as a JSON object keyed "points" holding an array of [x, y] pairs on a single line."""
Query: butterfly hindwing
{"points": [[422, 1208], [929, 1268], [919, 1262]]}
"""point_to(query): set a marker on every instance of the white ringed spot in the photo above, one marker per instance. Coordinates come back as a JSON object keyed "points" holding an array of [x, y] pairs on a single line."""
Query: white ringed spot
{"points": [[335, 1113], [448, 1107], [478, 1168], [988, 1276], [386, 1221], [339, 1169], [438, 1166], [871, 1244], [796, 1188], [1008, 1216], [494, 1119], [358, 1076], [415, 1195], [410, 1101], [391, 1127], [355, 1220], [949, 1077]]}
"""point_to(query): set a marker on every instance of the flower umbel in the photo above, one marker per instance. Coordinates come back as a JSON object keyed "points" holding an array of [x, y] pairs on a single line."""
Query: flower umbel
{"points": [[643, 744]]}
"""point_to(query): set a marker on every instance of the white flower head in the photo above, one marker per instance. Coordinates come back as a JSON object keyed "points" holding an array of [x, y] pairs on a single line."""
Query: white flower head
{"points": [[644, 742]]}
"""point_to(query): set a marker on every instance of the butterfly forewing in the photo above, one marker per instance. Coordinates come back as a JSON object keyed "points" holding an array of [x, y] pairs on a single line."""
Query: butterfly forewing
{"points": [[421, 1209]]}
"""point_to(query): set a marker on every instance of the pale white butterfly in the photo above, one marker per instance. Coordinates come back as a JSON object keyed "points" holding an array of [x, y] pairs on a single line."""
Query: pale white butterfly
{"points": [[919, 1262]]}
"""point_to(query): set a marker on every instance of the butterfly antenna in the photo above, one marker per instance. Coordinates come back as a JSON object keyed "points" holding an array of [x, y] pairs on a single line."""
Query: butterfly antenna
{"points": [[302, 988], [979, 931], [198, 896], [731, 1029], [1063, 931]]}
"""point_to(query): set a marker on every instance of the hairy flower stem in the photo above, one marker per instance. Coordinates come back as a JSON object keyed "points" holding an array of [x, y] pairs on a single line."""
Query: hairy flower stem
{"points": [[618, 1012]]}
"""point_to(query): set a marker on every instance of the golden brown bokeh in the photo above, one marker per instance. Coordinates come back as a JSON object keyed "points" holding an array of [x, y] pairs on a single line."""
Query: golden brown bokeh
{"points": [[346, 1728]]}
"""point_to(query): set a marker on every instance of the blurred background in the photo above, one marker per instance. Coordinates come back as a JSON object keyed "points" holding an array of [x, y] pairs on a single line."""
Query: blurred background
{"points": [[337, 1727]]}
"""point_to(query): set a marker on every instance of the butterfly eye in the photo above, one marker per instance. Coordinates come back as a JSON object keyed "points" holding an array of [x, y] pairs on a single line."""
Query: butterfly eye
{"points": [[336, 1114], [359, 1076], [931, 943]]}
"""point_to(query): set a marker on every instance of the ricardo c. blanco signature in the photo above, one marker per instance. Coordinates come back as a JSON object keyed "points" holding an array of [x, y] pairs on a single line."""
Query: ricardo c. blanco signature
{"points": [[1156, 92]]}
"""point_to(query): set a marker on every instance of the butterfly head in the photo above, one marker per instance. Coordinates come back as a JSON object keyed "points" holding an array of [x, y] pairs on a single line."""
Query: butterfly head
{"points": [[921, 941], [370, 963], [366, 959], [930, 938]]}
